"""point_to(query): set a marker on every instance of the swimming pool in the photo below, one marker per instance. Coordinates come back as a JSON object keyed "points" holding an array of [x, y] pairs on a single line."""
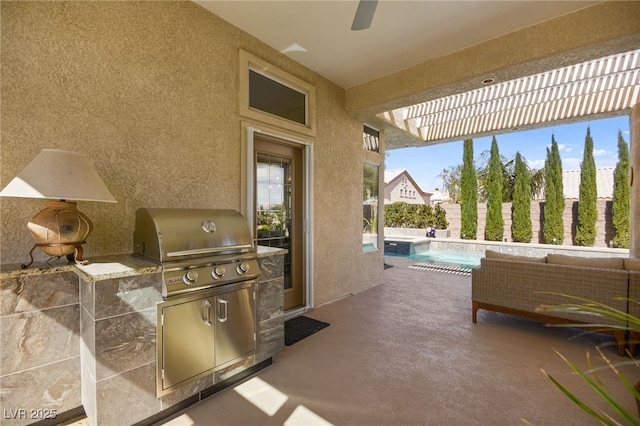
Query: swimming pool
{"points": [[419, 249], [462, 260]]}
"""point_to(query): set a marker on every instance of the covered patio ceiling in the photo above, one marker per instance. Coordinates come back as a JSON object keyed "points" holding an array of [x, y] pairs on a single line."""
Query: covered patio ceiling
{"points": [[593, 89], [430, 71]]}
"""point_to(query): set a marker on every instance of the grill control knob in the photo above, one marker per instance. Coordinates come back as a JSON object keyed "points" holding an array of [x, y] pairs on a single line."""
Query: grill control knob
{"points": [[242, 268], [190, 277], [218, 272]]}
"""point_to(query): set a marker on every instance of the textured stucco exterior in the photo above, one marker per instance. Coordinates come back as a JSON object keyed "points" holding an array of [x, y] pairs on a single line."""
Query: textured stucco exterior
{"points": [[149, 91], [634, 190]]}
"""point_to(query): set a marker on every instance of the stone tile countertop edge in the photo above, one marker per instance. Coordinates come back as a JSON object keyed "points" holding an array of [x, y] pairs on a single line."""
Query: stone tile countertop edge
{"points": [[264, 251], [97, 269], [104, 267]]}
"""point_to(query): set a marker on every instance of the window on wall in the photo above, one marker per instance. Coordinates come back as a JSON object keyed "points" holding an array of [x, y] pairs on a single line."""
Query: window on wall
{"points": [[370, 180], [273, 97], [371, 139], [270, 95]]}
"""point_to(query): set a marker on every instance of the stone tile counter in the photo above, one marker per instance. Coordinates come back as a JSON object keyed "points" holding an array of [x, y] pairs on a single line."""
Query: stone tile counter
{"points": [[118, 297], [39, 341], [83, 337]]}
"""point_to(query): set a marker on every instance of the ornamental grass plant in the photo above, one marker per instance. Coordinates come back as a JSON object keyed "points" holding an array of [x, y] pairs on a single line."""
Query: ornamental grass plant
{"points": [[623, 321]]}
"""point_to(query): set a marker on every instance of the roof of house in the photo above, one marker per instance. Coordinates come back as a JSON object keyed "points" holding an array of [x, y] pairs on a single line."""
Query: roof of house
{"points": [[392, 174], [604, 183]]}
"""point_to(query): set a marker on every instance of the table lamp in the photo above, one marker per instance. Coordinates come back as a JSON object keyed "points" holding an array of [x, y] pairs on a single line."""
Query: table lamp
{"points": [[60, 229]]}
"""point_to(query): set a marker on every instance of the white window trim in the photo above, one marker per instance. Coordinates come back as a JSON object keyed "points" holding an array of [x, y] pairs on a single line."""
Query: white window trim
{"points": [[251, 62], [380, 229], [247, 205]]}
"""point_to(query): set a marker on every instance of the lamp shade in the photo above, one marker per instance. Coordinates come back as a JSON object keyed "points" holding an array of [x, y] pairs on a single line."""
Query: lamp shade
{"points": [[60, 175]]}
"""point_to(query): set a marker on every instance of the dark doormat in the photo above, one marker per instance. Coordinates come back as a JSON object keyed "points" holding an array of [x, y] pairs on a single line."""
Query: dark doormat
{"points": [[298, 328]]}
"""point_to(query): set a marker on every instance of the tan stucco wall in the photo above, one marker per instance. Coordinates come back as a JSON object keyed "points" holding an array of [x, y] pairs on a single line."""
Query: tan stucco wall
{"points": [[149, 91], [634, 190]]}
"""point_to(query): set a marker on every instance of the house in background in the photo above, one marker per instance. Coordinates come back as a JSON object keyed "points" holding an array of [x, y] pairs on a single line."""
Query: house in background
{"points": [[440, 196], [400, 186], [571, 184], [604, 183]]}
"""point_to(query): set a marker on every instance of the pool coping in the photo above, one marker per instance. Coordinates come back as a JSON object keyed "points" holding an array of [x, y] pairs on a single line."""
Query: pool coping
{"points": [[520, 249]]}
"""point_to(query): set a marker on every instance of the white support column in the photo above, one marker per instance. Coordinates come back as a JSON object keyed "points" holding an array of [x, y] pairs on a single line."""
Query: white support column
{"points": [[634, 190]]}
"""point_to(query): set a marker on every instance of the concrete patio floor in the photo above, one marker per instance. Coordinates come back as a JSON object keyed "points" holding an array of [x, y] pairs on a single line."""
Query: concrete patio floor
{"points": [[407, 353]]}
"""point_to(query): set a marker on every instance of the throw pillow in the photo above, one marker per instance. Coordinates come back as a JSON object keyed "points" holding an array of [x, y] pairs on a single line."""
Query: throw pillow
{"points": [[632, 264], [591, 262], [491, 254]]}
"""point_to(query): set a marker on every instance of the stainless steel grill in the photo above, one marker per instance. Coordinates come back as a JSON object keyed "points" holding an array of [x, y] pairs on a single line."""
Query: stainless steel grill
{"points": [[198, 248], [209, 276]]}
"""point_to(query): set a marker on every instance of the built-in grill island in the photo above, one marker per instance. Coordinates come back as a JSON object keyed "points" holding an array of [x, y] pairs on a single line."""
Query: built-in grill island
{"points": [[102, 332], [209, 276]]}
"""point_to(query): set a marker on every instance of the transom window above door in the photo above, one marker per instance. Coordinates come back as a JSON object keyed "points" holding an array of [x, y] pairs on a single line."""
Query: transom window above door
{"points": [[275, 97]]}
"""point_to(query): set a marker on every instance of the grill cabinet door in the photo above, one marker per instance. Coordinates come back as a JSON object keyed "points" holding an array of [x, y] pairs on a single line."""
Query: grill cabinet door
{"points": [[187, 340], [235, 324]]}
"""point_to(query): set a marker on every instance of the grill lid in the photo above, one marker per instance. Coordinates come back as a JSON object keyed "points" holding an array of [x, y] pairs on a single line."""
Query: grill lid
{"points": [[168, 235]]}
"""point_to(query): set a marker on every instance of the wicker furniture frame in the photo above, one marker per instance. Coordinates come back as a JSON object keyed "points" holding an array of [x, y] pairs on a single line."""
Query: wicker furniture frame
{"points": [[520, 288]]}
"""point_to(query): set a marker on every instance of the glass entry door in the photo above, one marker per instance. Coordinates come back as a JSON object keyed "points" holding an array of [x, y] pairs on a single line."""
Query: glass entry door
{"points": [[279, 210]]}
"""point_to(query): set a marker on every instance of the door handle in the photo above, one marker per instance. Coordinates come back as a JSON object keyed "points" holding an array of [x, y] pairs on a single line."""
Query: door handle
{"points": [[223, 304], [205, 312]]}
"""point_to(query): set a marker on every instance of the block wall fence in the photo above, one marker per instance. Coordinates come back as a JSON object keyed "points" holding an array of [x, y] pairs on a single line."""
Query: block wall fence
{"points": [[604, 224]]}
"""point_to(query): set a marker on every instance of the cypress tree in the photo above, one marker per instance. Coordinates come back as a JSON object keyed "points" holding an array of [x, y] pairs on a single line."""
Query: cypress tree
{"points": [[495, 223], [549, 199], [620, 208], [553, 228], [521, 230], [469, 193], [587, 203], [559, 186]]}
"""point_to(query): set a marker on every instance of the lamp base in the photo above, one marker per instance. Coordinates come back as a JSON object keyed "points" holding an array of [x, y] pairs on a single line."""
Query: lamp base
{"points": [[75, 257], [59, 230]]}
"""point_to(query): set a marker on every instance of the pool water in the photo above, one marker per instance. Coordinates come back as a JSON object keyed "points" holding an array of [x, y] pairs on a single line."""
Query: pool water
{"points": [[462, 260]]}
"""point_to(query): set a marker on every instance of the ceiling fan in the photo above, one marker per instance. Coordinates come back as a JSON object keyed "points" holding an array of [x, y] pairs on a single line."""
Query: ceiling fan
{"points": [[364, 15]]}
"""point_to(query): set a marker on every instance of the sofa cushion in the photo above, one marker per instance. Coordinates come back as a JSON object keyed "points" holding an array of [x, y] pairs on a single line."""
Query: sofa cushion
{"points": [[505, 256], [632, 264], [591, 262]]}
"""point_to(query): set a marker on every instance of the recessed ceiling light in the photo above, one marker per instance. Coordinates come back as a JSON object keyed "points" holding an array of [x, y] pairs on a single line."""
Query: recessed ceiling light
{"points": [[488, 80]]}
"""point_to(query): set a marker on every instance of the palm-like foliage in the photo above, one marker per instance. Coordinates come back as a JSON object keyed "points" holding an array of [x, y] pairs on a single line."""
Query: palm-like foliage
{"points": [[622, 321], [451, 178], [508, 177]]}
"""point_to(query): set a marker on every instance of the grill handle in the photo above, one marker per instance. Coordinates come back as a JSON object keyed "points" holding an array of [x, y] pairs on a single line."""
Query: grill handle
{"points": [[244, 247], [205, 312], [223, 304]]}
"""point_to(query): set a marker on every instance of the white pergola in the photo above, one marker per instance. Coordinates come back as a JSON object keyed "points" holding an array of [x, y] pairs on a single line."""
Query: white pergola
{"points": [[598, 88]]}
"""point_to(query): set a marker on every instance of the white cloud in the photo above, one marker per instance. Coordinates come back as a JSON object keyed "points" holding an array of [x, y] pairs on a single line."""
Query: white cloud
{"points": [[571, 164], [564, 147], [535, 164], [600, 152]]}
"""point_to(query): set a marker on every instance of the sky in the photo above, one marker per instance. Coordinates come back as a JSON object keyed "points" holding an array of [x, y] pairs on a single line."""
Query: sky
{"points": [[424, 164]]}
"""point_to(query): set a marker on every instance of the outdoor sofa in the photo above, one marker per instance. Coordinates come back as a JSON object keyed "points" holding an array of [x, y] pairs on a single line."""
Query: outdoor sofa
{"points": [[520, 285]]}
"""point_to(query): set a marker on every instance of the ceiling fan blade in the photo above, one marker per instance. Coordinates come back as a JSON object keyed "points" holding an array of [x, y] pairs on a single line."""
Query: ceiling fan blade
{"points": [[364, 14]]}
